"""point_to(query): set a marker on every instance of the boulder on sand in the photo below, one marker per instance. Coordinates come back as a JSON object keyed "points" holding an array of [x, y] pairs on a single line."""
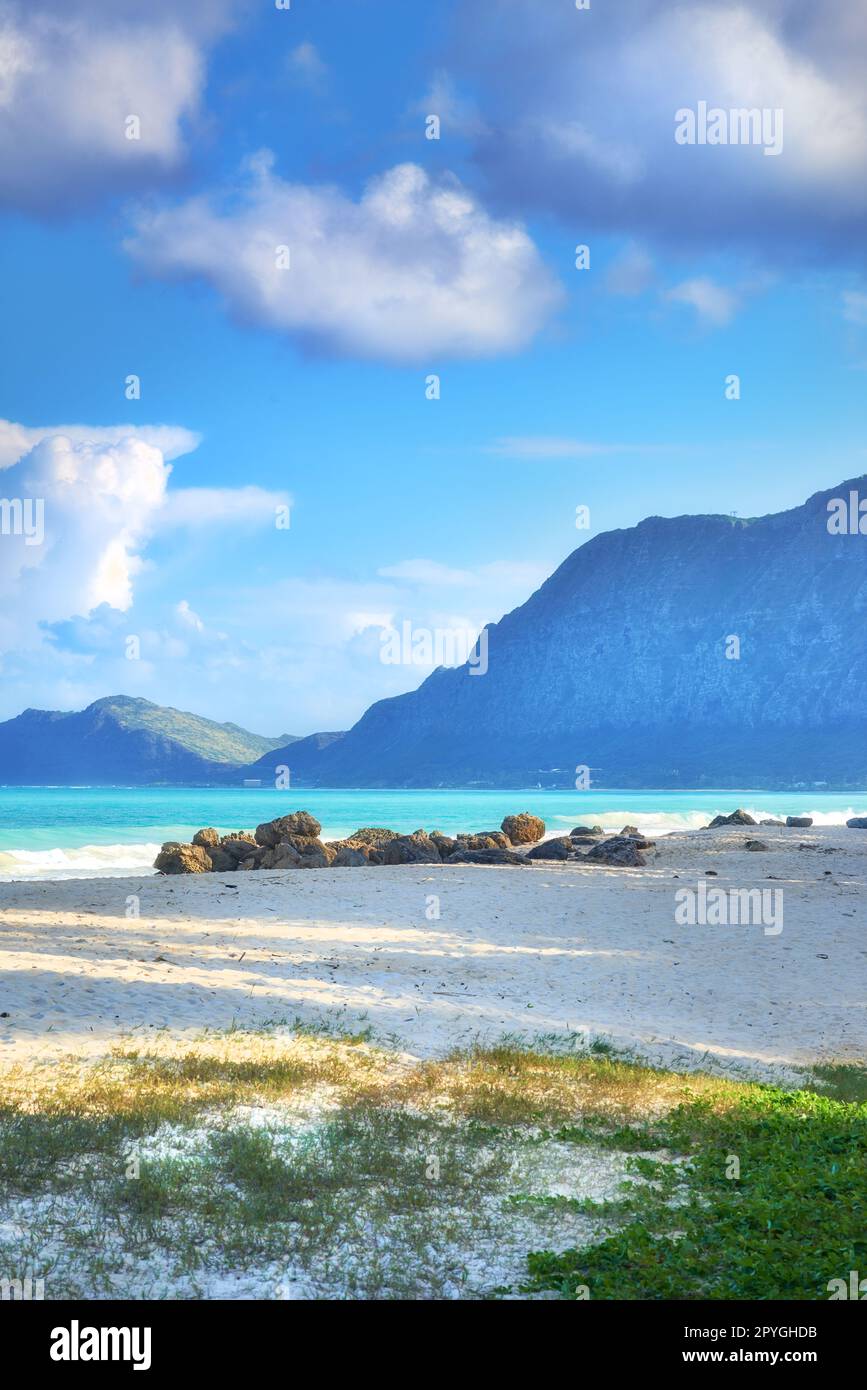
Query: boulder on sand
{"points": [[417, 848], [523, 829], [857, 823], [621, 851], [561, 848], [487, 856], [736, 818], [239, 846], [221, 862], [755, 845], [375, 835], [271, 832], [799, 822], [175, 858], [444, 843], [349, 858], [485, 839], [207, 837], [282, 856]]}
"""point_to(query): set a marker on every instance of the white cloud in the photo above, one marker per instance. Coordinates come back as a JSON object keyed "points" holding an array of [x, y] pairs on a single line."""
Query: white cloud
{"points": [[101, 501], [714, 304], [414, 270], [71, 75], [188, 618], [581, 117], [171, 440]]}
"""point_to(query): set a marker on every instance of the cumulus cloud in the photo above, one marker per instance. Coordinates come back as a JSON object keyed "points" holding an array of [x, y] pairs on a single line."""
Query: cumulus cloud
{"points": [[78, 514], [581, 112], [72, 74], [413, 270], [171, 440]]}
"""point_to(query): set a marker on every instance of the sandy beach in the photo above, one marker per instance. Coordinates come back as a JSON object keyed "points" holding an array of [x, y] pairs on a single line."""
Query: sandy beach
{"points": [[432, 957]]}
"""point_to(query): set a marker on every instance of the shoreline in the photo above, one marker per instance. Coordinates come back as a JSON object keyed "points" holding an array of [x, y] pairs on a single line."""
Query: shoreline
{"points": [[547, 949], [119, 858]]}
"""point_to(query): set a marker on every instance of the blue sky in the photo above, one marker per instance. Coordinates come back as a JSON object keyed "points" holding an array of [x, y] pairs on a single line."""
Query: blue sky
{"points": [[306, 386]]}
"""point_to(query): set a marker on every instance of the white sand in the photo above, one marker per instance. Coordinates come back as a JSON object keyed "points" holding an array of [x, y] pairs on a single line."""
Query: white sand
{"points": [[548, 949]]}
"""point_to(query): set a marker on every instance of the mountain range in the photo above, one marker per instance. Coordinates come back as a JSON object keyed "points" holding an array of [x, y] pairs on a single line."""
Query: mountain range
{"points": [[123, 741], [693, 651]]}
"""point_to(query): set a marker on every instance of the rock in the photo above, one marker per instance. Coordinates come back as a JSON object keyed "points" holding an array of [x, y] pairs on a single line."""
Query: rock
{"points": [[221, 862], [857, 823], [417, 848], [349, 858], [444, 843], [584, 839], [621, 851], [299, 852], [375, 835], [736, 818], [755, 845], [630, 830], [283, 856], [175, 858], [586, 830], [271, 832], [238, 846], [561, 848], [206, 838], [523, 829], [487, 856], [313, 853], [485, 839], [772, 822], [799, 822]]}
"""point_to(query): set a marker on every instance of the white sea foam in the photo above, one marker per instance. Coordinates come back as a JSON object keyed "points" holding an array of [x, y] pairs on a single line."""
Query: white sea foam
{"points": [[662, 822], [90, 861]]}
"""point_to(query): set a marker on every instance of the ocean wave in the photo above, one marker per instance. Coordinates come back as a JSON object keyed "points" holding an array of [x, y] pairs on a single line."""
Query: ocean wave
{"points": [[662, 822], [90, 861]]}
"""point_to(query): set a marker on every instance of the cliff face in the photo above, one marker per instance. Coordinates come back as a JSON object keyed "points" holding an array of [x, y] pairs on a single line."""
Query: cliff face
{"points": [[618, 662]]}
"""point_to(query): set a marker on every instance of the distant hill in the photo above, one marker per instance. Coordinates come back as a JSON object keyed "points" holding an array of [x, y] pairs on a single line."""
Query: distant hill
{"points": [[120, 740], [618, 663]]}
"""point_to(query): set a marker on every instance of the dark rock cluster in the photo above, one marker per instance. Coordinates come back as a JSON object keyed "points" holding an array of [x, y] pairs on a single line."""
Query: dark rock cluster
{"points": [[293, 842]]}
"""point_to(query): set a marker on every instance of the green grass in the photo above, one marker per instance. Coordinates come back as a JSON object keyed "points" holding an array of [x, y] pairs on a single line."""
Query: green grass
{"points": [[794, 1218], [313, 1154]]}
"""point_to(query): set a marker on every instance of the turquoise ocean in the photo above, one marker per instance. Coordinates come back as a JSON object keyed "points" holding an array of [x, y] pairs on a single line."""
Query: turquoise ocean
{"points": [[82, 832]]}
